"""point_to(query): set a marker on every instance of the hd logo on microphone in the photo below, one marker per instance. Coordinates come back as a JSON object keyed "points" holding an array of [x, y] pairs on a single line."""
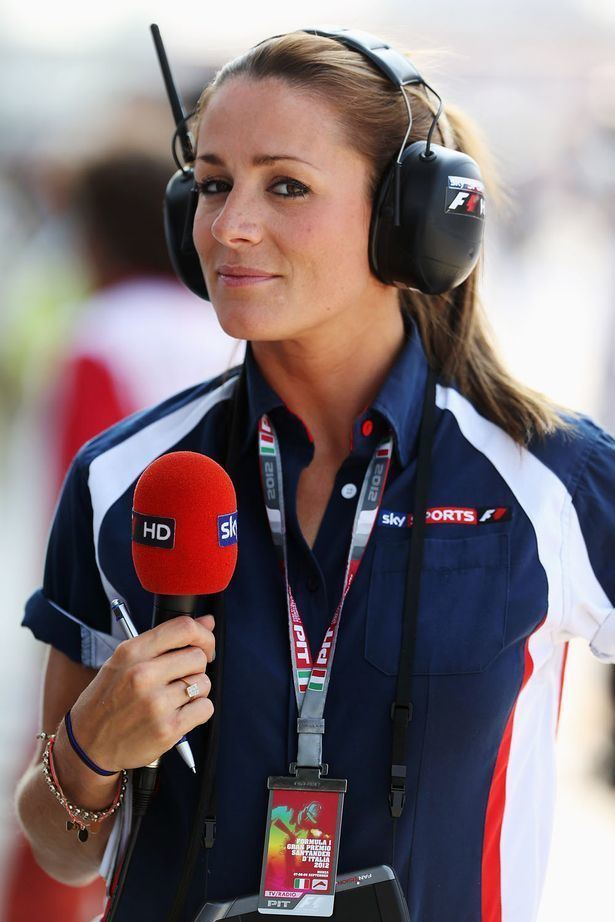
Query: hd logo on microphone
{"points": [[227, 529], [153, 531]]}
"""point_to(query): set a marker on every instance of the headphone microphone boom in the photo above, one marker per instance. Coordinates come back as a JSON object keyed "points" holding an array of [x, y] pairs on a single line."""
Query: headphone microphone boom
{"points": [[428, 215]]}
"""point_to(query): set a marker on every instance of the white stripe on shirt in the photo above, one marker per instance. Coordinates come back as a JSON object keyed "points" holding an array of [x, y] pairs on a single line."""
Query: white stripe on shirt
{"points": [[530, 776]]}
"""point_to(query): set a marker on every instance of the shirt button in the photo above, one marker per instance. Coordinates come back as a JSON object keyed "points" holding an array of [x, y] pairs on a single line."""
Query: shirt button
{"points": [[367, 428], [313, 583], [349, 491]]}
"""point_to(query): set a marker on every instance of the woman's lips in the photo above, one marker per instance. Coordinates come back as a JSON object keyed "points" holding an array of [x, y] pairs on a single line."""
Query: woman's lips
{"points": [[234, 281]]}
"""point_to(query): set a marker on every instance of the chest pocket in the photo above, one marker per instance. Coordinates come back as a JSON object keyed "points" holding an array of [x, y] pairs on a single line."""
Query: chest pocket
{"points": [[463, 604]]}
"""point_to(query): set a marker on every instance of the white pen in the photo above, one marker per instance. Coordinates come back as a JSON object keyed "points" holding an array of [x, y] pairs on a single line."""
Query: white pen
{"points": [[120, 612]]}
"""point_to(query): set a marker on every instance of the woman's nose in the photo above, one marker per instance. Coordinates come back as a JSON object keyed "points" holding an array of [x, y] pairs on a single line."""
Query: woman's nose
{"points": [[238, 221]]}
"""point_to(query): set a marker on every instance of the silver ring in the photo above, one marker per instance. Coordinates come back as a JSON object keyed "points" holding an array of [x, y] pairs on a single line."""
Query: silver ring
{"points": [[192, 690]]}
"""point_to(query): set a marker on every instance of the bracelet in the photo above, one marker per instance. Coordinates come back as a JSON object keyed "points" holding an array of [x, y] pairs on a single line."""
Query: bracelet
{"points": [[77, 748], [79, 818]]}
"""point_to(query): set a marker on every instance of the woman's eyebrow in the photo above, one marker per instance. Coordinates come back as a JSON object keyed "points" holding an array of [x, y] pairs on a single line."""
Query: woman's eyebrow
{"points": [[258, 160]]}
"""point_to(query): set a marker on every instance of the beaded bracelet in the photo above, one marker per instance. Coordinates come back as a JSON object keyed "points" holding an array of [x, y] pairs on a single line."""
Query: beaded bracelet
{"points": [[79, 818]]}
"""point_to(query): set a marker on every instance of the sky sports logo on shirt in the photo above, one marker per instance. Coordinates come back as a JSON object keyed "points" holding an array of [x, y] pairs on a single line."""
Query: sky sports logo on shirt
{"points": [[227, 529], [448, 515]]}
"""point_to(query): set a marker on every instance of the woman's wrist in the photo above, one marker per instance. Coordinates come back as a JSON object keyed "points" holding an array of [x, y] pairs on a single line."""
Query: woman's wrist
{"points": [[85, 758], [79, 818], [80, 784]]}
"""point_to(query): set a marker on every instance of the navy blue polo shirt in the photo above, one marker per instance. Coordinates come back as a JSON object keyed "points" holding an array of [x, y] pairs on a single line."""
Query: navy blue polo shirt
{"points": [[517, 560]]}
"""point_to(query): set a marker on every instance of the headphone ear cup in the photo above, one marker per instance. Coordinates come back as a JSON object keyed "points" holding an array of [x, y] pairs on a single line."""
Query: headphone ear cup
{"points": [[180, 201], [442, 221]]}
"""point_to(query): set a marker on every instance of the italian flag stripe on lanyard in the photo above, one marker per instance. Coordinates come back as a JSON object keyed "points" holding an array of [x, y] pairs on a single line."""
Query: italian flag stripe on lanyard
{"points": [[309, 675]]}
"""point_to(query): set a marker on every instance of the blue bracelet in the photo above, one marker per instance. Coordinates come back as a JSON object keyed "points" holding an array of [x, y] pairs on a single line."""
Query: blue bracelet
{"points": [[84, 758]]}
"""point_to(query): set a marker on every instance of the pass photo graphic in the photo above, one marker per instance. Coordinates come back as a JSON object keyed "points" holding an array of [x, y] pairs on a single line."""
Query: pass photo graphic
{"points": [[300, 856]]}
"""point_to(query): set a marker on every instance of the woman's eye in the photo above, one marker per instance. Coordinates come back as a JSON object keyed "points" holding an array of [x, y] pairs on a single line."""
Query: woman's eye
{"points": [[298, 190], [204, 187], [295, 189]]}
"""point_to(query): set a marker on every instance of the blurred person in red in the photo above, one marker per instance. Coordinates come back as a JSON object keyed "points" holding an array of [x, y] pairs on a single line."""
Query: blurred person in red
{"points": [[139, 337]]}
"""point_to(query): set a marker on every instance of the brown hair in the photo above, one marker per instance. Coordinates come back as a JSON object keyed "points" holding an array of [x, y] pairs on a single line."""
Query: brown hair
{"points": [[456, 337]]}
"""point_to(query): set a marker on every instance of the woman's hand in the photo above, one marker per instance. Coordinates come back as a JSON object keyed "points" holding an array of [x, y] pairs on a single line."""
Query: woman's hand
{"points": [[136, 708]]}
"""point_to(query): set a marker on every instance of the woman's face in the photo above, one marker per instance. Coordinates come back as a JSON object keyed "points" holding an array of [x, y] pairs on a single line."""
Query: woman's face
{"points": [[281, 195]]}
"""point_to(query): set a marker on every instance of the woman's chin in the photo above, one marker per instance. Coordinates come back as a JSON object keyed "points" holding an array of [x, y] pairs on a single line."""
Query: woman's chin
{"points": [[252, 320], [247, 322]]}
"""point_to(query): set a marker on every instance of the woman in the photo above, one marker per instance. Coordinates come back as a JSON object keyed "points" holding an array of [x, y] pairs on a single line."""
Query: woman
{"points": [[293, 138]]}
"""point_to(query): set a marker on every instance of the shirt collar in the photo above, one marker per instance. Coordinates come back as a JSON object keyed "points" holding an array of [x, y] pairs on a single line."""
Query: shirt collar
{"points": [[400, 400], [261, 396]]}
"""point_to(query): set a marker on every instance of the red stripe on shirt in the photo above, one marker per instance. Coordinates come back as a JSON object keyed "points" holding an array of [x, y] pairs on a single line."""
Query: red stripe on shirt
{"points": [[491, 868]]}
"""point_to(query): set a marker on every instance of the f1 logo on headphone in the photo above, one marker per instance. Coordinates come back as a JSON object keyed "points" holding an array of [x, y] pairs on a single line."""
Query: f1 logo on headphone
{"points": [[465, 196]]}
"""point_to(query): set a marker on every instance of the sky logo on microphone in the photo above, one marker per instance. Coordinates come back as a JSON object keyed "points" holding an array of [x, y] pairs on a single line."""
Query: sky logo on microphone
{"points": [[227, 529]]}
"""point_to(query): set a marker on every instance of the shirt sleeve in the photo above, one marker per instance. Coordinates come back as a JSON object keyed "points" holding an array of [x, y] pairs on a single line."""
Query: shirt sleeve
{"points": [[589, 552], [71, 610]]}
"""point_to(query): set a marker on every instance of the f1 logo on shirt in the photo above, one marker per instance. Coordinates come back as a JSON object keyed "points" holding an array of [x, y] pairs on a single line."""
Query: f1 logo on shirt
{"points": [[448, 515], [497, 514], [227, 529]]}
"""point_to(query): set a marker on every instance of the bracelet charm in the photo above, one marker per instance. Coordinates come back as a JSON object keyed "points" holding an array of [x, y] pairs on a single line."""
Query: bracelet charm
{"points": [[79, 818]]}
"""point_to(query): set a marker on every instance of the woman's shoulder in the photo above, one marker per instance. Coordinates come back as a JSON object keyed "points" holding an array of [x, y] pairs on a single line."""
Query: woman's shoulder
{"points": [[565, 458], [579, 453]]}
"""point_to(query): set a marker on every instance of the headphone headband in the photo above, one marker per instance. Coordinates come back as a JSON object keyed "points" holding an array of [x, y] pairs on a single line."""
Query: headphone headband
{"points": [[389, 61]]}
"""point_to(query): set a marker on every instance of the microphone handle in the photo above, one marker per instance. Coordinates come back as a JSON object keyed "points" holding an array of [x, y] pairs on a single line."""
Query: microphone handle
{"points": [[172, 606]]}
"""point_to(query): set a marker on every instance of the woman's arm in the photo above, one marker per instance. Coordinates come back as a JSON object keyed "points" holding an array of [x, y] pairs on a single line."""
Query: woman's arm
{"points": [[125, 715], [59, 852]]}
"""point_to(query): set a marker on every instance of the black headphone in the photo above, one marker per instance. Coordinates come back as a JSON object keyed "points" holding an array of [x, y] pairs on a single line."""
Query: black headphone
{"points": [[428, 215]]}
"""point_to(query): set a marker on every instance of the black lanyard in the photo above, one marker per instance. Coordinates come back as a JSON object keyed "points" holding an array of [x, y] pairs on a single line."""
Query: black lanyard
{"points": [[401, 710]]}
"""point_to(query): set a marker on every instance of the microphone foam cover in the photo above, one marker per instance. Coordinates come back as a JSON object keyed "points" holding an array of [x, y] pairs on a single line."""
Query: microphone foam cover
{"points": [[184, 525]]}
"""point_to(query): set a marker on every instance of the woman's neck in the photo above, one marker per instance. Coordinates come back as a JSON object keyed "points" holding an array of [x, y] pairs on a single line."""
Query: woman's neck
{"points": [[328, 378]]}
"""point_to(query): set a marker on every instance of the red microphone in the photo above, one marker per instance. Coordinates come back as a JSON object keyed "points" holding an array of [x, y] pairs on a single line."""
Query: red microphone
{"points": [[184, 531]]}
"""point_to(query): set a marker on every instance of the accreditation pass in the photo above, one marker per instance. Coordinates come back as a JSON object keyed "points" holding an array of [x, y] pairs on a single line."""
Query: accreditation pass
{"points": [[302, 834]]}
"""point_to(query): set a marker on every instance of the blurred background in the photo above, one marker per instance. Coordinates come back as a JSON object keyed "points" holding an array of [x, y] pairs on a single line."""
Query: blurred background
{"points": [[84, 118]]}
